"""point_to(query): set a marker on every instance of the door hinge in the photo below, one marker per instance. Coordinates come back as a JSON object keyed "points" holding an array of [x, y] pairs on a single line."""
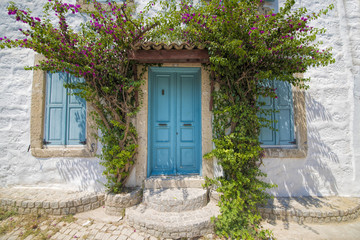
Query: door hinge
{"points": [[83, 142], [46, 142], [293, 142]]}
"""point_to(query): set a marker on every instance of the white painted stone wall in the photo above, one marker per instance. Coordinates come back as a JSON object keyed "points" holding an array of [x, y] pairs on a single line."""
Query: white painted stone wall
{"points": [[332, 166], [17, 165]]}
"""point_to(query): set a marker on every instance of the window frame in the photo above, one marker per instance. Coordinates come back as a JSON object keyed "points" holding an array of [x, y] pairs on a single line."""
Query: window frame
{"points": [[300, 149], [37, 123]]}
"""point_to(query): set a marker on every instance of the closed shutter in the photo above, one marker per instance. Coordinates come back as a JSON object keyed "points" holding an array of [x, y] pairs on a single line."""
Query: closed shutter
{"points": [[76, 117], [65, 115], [284, 116], [55, 112], [267, 135]]}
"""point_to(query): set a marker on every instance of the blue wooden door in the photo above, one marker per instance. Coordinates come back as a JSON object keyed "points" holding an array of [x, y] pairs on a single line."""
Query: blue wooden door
{"points": [[174, 121]]}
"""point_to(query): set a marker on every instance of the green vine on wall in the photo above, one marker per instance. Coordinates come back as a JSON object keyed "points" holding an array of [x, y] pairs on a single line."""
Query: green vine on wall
{"points": [[98, 51], [246, 49]]}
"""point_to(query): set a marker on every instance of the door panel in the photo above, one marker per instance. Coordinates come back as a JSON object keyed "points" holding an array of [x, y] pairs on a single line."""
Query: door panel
{"points": [[174, 121]]}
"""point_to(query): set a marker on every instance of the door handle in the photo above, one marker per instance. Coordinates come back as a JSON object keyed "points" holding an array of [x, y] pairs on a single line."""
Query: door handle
{"points": [[162, 124], [187, 124]]}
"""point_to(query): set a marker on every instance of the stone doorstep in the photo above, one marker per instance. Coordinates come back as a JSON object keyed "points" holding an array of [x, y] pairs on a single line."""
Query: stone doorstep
{"points": [[172, 224], [174, 182], [175, 200], [312, 209]]}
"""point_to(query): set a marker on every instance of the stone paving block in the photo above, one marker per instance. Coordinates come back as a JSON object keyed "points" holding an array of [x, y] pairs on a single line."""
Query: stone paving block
{"points": [[62, 204], [72, 210], [77, 202], [93, 199], [80, 209], [65, 211], [24, 204], [87, 207], [123, 237], [56, 212], [67, 237], [99, 236], [31, 204], [85, 200], [46, 204], [54, 205], [18, 203], [95, 205], [38, 204]]}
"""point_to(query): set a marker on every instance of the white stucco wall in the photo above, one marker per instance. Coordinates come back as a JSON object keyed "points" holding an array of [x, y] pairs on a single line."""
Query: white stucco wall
{"points": [[332, 165], [17, 166], [333, 114]]}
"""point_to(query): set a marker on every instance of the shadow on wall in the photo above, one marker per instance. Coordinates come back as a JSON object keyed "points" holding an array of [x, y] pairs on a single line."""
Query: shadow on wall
{"points": [[313, 175], [87, 174]]}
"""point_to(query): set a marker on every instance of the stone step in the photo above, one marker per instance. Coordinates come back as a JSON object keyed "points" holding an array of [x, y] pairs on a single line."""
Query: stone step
{"points": [[187, 224], [311, 209], [42, 200], [175, 200], [174, 182]]}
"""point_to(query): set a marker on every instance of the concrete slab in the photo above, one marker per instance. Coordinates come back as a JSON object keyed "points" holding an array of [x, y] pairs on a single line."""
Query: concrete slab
{"points": [[329, 231]]}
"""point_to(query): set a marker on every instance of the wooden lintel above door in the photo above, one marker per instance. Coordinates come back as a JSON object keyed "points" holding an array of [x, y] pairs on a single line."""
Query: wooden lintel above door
{"points": [[170, 56]]}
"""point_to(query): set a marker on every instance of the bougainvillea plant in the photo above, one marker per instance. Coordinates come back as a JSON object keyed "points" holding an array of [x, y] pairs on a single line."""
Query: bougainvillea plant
{"points": [[98, 53], [247, 48]]}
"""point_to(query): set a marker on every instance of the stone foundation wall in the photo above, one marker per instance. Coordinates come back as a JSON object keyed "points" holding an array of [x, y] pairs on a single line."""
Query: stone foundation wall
{"points": [[77, 205], [115, 204], [310, 216]]}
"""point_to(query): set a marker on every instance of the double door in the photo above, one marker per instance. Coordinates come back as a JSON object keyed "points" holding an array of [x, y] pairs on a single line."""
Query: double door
{"points": [[174, 121]]}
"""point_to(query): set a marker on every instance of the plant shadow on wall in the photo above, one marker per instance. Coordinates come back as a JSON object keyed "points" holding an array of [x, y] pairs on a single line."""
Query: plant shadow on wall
{"points": [[86, 172], [313, 174]]}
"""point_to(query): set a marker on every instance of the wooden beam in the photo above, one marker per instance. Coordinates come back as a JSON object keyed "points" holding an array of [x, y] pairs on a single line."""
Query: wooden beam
{"points": [[170, 56]]}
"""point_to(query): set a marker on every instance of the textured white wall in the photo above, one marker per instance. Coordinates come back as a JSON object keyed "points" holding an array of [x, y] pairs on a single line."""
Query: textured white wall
{"points": [[17, 166], [333, 114], [332, 166]]}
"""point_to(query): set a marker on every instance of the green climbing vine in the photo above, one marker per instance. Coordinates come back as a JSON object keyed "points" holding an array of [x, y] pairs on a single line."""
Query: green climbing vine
{"points": [[247, 48], [97, 51]]}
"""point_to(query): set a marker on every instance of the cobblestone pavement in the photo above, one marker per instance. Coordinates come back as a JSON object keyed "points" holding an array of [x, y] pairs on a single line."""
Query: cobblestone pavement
{"points": [[94, 224]]}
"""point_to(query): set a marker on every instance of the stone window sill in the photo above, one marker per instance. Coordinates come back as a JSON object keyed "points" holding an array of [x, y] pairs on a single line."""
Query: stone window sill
{"points": [[60, 151], [286, 151]]}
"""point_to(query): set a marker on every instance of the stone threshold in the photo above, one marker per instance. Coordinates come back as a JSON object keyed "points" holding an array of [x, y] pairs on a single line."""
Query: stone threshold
{"points": [[182, 181], [49, 201], [311, 209]]}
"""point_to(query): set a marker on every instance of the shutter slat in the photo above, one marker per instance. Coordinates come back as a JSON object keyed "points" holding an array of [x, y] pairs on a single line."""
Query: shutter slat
{"points": [[267, 135], [284, 105], [76, 120], [55, 113]]}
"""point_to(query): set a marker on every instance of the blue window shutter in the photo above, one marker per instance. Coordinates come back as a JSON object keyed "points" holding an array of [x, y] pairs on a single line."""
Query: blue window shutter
{"points": [[267, 135], [76, 117], [55, 112], [284, 116]]}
